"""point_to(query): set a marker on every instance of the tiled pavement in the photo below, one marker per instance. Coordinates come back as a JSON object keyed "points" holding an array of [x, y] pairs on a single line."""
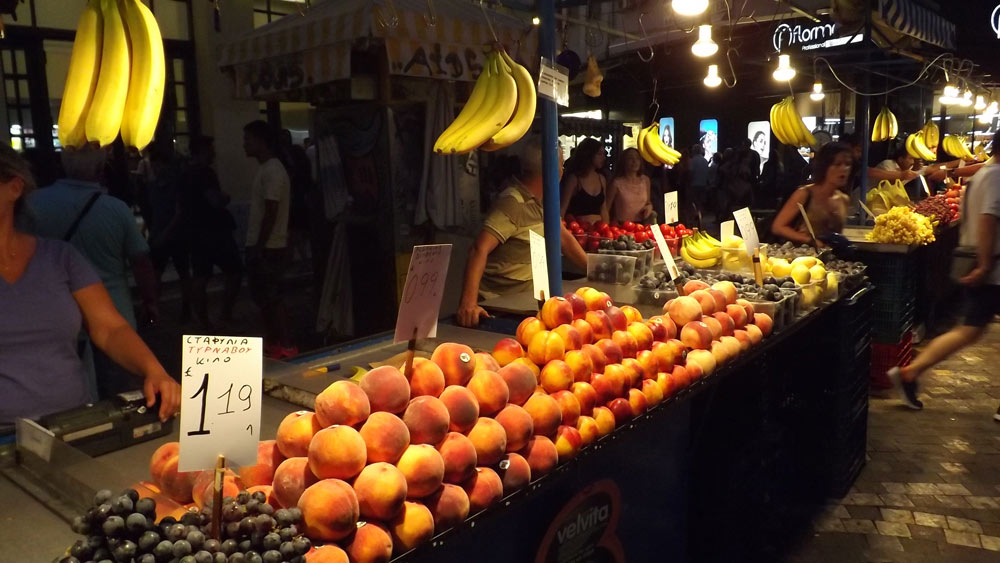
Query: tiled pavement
{"points": [[930, 490]]}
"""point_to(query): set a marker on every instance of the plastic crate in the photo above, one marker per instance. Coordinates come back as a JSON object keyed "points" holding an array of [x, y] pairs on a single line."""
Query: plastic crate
{"points": [[611, 268], [887, 356], [891, 320]]}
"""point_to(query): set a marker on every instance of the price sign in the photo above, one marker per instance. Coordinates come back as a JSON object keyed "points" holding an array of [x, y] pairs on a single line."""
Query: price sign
{"points": [[670, 207], [923, 182], [539, 266], [726, 230], [553, 82], [220, 402], [868, 211], [422, 292], [668, 258], [748, 230]]}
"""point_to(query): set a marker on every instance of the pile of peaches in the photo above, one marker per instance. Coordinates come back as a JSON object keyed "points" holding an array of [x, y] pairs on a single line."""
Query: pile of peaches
{"points": [[382, 465]]}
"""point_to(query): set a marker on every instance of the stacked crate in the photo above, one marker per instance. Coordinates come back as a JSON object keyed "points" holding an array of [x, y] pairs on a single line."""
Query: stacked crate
{"points": [[896, 280]]}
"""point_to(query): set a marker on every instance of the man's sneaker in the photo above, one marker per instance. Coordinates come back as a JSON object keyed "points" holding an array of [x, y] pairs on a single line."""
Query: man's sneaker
{"points": [[908, 389]]}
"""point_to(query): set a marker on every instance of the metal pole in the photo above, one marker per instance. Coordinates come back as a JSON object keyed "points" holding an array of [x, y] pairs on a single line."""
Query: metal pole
{"points": [[550, 155], [861, 122]]}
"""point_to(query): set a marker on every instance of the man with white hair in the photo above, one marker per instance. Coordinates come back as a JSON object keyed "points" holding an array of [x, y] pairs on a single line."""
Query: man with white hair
{"points": [[500, 258]]}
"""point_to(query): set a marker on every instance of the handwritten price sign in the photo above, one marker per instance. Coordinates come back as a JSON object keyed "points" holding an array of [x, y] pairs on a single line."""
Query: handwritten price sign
{"points": [[748, 230], [421, 304], [668, 259], [539, 265], [670, 208], [220, 406]]}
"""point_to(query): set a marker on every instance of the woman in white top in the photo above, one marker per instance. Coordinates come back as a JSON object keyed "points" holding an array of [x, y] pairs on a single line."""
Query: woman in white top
{"points": [[629, 193]]}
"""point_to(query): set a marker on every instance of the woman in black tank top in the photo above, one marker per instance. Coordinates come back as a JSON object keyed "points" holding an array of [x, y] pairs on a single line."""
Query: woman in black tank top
{"points": [[584, 186]]}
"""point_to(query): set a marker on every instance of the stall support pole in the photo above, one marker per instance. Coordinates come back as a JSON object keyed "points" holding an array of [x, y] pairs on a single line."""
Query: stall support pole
{"points": [[550, 155], [863, 120]]}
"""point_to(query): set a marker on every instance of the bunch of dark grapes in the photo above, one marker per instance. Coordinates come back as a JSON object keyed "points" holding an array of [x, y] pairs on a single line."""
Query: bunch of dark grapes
{"points": [[122, 529]]}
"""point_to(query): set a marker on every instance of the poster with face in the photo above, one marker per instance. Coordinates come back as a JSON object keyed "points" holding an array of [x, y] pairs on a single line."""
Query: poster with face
{"points": [[708, 136], [759, 133], [667, 131]]}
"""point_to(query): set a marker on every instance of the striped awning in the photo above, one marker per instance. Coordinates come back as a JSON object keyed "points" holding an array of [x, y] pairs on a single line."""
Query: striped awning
{"points": [[299, 52], [907, 17]]}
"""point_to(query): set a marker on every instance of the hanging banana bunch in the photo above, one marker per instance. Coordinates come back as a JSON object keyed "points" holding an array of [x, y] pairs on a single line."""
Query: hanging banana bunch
{"points": [[787, 125], [652, 148], [116, 77], [956, 147], [886, 127], [931, 135], [499, 111], [916, 145]]}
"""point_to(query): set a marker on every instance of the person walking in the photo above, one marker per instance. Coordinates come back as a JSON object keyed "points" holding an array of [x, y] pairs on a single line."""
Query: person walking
{"points": [[981, 292]]}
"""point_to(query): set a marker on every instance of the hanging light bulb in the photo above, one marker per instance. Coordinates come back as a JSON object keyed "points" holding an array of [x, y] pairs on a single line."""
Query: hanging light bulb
{"points": [[784, 72], [980, 103], [690, 7], [950, 90], [536, 20], [704, 46], [712, 79], [817, 93], [966, 99]]}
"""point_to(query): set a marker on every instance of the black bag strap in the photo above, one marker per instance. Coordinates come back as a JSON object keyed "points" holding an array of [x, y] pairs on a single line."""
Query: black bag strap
{"points": [[83, 213]]}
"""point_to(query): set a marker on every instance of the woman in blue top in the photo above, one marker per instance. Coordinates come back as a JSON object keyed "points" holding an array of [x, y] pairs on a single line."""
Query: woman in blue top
{"points": [[47, 290]]}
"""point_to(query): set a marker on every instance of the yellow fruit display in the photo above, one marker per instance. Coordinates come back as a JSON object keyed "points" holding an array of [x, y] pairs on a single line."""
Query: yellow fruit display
{"points": [[800, 273], [817, 273], [780, 267], [902, 226], [807, 261], [832, 285]]}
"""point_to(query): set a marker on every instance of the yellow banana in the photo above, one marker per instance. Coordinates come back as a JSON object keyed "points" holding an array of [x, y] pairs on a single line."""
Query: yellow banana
{"points": [[657, 149], [776, 124], [641, 147], [697, 263], [524, 113], [104, 119], [699, 252], [494, 116], [931, 135], [802, 137], [925, 152], [471, 108], [81, 80], [145, 89], [910, 148], [877, 128], [893, 125]]}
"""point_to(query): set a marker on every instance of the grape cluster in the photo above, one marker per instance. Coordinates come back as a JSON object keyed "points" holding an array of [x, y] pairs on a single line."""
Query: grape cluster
{"points": [[123, 529], [902, 226]]}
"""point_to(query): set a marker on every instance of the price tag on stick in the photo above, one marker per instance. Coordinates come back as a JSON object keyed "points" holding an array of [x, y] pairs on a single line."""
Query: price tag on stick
{"points": [[726, 230], [670, 208], [220, 400], [748, 230], [923, 182], [422, 292], [668, 258], [539, 266], [865, 207]]}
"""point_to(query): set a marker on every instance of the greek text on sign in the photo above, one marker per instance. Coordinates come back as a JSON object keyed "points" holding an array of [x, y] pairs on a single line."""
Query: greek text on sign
{"points": [[670, 207], [220, 402], [553, 82], [421, 302], [748, 230], [539, 265]]}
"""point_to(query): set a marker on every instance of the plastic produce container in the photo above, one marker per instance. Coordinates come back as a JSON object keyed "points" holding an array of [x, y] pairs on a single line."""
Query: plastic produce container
{"points": [[611, 268]]}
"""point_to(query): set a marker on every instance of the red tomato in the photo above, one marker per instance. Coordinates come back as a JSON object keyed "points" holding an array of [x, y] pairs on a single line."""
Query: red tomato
{"points": [[573, 226], [601, 225], [592, 244], [629, 226], [641, 237], [681, 227]]}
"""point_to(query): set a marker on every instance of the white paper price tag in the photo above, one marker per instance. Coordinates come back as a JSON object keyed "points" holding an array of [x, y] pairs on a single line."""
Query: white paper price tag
{"points": [[553, 82], [923, 182], [670, 208], [668, 258], [748, 230], [726, 230], [220, 402], [420, 306], [539, 265]]}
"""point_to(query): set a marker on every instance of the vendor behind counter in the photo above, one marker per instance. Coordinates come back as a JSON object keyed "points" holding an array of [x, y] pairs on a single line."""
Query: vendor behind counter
{"points": [[824, 200]]}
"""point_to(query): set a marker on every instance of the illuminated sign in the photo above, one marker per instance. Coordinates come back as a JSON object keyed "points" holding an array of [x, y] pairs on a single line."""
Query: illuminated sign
{"points": [[809, 37], [995, 20]]}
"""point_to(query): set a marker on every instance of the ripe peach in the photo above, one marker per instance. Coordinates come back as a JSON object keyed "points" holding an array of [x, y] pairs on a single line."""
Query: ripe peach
{"points": [[371, 543], [720, 299], [756, 335], [545, 414], [387, 389], [705, 301], [556, 311], [678, 349], [626, 342], [449, 506], [642, 334], [490, 390], [597, 357], [620, 379], [527, 330], [728, 289], [744, 338], [667, 323], [637, 400], [459, 455], [569, 405], [579, 364], [738, 314], [163, 470], [684, 310], [204, 487], [694, 371], [680, 376], [520, 380], [694, 285], [605, 386], [726, 322], [578, 304], [570, 336], [605, 420], [612, 350], [696, 335], [594, 299], [632, 315], [721, 354], [546, 346], [385, 436], [423, 468], [600, 324], [589, 432], [714, 326], [381, 489], [515, 473], [525, 361], [329, 553], [747, 306], [568, 442], [634, 371], [622, 410], [337, 452], [651, 389], [541, 455], [658, 330], [490, 440], [427, 419], [462, 405], [484, 488], [664, 355], [291, 478], [586, 396], [517, 425], [556, 376], [618, 319], [457, 361], [486, 362], [733, 347], [268, 458], [650, 365], [426, 378], [705, 360], [329, 510], [507, 350], [585, 330], [413, 526], [295, 432], [763, 322], [343, 402], [667, 384]]}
